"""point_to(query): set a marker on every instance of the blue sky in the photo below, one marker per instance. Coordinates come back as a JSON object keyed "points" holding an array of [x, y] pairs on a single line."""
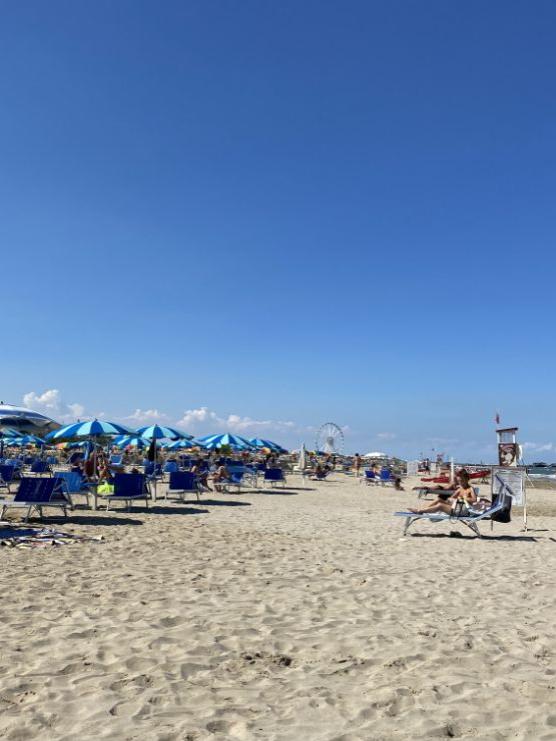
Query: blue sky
{"points": [[287, 212]]}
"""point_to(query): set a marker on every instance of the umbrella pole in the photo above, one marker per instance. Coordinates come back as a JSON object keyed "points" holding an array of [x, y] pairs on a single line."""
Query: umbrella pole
{"points": [[154, 474]]}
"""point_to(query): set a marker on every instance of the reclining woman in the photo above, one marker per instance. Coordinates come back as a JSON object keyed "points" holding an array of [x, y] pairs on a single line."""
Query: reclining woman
{"points": [[460, 503]]}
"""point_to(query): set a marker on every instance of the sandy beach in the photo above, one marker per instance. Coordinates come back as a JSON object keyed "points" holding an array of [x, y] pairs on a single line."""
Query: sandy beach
{"points": [[284, 615]]}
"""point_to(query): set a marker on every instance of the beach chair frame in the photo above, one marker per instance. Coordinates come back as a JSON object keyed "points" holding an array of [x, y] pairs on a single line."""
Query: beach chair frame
{"points": [[471, 521], [137, 487], [37, 493], [274, 476], [182, 483]]}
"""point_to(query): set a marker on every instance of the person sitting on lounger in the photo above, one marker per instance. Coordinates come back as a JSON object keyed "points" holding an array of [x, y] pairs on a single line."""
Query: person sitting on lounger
{"points": [[459, 503], [220, 476], [201, 473]]}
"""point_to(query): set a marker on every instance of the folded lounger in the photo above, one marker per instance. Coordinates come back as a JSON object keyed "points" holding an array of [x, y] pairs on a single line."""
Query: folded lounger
{"points": [[184, 482], [499, 511], [35, 493]]}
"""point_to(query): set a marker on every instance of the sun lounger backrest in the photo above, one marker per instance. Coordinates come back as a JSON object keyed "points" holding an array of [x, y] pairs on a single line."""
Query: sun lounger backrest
{"points": [[7, 473], [72, 481], [39, 467], [182, 481], [38, 490], [129, 484], [273, 474]]}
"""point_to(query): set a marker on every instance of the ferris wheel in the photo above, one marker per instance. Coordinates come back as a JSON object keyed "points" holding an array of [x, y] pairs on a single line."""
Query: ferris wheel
{"points": [[330, 438]]}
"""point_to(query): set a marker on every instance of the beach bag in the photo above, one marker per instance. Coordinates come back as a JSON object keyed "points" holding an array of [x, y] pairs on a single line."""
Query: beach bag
{"points": [[105, 489], [504, 514]]}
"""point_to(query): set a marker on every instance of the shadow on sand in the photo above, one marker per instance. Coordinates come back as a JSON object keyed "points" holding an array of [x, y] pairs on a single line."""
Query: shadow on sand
{"points": [[470, 536]]}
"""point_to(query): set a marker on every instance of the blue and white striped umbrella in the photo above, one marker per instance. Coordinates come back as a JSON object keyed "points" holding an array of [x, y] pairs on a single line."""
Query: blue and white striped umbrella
{"points": [[258, 442], [92, 428], [8, 432], [131, 441], [236, 442], [184, 444], [27, 440], [157, 432]]}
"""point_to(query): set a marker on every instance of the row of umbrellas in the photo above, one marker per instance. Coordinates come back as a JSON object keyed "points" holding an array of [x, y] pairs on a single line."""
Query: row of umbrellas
{"points": [[142, 437]]}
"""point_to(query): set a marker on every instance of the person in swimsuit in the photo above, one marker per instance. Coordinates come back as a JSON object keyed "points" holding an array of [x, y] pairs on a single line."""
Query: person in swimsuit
{"points": [[460, 501]]}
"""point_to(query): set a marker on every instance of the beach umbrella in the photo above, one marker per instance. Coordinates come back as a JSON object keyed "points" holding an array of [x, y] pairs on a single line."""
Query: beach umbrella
{"points": [[183, 444], [29, 440], [158, 432], [25, 420], [236, 442], [131, 441], [7, 433], [91, 428], [257, 442]]}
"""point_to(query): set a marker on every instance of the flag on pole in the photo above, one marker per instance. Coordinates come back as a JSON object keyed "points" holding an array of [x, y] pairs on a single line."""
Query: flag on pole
{"points": [[497, 418]]}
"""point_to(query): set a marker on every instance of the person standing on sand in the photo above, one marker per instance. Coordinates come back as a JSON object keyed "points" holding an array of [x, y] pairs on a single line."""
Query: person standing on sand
{"points": [[357, 464]]}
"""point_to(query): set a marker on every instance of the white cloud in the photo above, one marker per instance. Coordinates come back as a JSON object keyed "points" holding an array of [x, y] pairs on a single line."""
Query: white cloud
{"points": [[386, 435], [51, 404], [144, 416], [203, 419]]}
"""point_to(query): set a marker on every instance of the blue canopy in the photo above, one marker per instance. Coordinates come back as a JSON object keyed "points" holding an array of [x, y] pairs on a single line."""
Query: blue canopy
{"points": [[133, 441], [9, 432], [157, 432], [26, 440], [236, 442], [183, 444], [258, 442], [93, 428]]}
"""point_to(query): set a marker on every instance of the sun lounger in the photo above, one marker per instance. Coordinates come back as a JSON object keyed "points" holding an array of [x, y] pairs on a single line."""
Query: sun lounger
{"points": [[499, 511], [40, 467], [73, 483], [236, 480], [371, 478], [274, 476], [386, 477], [182, 483], [7, 476], [36, 493], [128, 487]]}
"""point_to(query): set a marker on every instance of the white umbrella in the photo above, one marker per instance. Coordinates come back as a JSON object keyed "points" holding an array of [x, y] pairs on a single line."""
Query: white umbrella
{"points": [[375, 454]]}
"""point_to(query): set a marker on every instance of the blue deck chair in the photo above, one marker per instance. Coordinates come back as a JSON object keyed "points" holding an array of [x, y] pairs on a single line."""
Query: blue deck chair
{"points": [[151, 471], [36, 493], [128, 487], [40, 467], [7, 476], [182, 483], [116, 460], [386, 476], [171, 467], [236, 479], [499, 511], [274, 476], [73, 483], [371, 478]]}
